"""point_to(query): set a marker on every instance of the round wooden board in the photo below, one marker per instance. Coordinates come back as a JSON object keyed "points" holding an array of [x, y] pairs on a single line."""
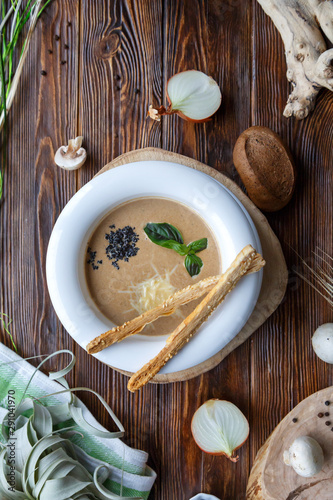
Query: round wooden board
{"points": [[271, 479], [275, 271]]}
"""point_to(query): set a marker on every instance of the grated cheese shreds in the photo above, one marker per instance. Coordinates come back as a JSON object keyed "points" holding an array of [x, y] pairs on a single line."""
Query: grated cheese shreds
{"points": [[151, 293]]}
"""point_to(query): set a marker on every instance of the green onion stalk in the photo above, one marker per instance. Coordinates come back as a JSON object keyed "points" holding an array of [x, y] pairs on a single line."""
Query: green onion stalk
{"points": [[15, 14]]}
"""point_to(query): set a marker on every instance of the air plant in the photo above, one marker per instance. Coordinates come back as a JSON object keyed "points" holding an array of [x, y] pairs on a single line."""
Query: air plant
{"points": [[13, 20], [321, 277]]}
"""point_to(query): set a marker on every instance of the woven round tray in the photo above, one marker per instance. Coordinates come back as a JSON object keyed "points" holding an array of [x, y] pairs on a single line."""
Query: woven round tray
{"points": [[275, 271]]}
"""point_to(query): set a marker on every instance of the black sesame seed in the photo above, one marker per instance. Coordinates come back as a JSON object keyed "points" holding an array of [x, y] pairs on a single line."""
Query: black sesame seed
{"points": [[50, 51], [66, 46], [328, 423], [320, 415], [57, 37], [327, 414], [69, 23], [332, 429], [92, 258], [327, 403], [294, 420], [63, 62], [122, 244], [137, 91], [43, 72]]}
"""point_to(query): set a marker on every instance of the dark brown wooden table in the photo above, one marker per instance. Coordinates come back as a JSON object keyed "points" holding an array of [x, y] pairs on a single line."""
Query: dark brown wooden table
{"points": [[119, 57]]}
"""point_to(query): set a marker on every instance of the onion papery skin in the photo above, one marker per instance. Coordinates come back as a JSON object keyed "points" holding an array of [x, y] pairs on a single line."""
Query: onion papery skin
{"points": [[186, 118], [214, 91], [212, 428]]}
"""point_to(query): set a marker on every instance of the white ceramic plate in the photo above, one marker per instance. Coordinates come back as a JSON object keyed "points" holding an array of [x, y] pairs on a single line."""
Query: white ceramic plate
{"points": [[231, 224]]}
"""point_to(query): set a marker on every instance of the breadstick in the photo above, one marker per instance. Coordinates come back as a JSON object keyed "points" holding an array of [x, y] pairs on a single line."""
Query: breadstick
{"points": [[190, 325], [169, 306]]}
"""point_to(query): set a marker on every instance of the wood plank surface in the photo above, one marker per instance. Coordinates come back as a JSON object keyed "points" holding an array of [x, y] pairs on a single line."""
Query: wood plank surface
{"points": [[120, 55]]}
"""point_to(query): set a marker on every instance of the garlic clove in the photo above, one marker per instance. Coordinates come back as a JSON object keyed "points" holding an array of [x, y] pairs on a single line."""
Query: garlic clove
{"points": [[154, 114], [71, 157], [322, 342], [305, 456]]}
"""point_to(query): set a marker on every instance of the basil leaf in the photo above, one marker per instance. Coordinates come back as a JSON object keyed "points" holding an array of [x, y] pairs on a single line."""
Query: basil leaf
{"points": [[198, 245], [162, 231], [167, 236], [193, 264], [174, 245]]}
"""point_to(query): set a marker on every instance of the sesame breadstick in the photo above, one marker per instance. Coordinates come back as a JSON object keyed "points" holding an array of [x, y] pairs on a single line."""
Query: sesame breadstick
{"points": [[169, 306], [187, 328]]}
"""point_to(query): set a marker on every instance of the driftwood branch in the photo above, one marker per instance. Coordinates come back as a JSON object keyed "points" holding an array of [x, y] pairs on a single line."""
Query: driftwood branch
{"points": [[309, 62]]}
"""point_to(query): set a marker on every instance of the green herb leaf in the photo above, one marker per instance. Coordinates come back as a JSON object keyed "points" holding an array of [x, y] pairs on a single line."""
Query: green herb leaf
{"points": [[159, 232], [168, 236], [193, 264], [174, 245], [198, 245]]}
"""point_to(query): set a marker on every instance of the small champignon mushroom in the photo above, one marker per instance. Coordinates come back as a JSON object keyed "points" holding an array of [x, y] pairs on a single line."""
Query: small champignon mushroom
{"points": [[71, 157], [305, 456], [322, 342]]}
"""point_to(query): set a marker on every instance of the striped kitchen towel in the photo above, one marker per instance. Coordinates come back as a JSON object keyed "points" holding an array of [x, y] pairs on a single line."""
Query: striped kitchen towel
{"points": [[129, 474]]}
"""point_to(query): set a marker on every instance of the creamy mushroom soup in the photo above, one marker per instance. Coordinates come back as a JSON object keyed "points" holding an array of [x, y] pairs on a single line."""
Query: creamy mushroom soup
{"points": [[126, 273]]}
